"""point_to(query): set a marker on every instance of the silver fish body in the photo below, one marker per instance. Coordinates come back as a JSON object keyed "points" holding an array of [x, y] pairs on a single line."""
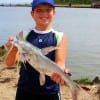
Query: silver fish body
{"points": [[44, 65]]}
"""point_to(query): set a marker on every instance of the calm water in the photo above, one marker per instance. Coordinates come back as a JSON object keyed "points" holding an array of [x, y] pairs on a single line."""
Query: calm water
{"points": [[82, 27]]}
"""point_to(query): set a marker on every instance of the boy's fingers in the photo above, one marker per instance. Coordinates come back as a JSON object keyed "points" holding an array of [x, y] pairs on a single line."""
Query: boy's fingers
{"points": [[57, 78], [11, 39]]}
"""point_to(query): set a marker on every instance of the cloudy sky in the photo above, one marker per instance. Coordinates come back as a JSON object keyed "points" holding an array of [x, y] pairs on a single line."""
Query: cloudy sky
{"points": [[15, 1]]}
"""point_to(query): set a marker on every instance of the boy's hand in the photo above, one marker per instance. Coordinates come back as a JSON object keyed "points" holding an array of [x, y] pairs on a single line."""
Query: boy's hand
{"points": [[9, 42], [57, 78]]}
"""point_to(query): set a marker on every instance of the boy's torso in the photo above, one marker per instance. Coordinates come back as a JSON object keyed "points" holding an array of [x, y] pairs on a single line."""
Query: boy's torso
{"points": [[29, 77]]}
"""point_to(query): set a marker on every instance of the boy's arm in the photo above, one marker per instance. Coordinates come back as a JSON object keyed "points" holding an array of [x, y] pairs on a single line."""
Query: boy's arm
{"points": [[11, 57], [60, 58], [12, 54]]}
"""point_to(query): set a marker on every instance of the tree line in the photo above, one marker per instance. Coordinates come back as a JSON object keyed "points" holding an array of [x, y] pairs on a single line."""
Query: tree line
{"points": [[64, 2]]}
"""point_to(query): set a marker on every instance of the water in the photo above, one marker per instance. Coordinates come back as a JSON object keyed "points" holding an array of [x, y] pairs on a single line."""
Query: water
{"points": [[81, 26]]}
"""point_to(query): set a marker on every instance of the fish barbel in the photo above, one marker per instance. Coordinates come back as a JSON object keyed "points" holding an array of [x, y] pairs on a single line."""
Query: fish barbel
{"points": [[36, 57]]}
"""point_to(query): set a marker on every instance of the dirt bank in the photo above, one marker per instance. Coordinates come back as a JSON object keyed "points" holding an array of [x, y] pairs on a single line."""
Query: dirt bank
{"points": [[8, 85]]}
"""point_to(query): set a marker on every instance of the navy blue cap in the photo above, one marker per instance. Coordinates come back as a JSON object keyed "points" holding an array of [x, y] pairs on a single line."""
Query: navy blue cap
{"points": [[36, 2]]}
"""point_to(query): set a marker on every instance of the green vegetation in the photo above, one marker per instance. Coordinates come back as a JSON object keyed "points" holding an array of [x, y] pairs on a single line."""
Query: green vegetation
{"points": [[58, 2], [84, 80], [66, 2], [2, 52]]}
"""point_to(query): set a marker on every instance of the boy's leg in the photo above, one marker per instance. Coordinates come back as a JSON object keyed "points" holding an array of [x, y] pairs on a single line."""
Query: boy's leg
{"points": [[49, 97], [22, 95]]}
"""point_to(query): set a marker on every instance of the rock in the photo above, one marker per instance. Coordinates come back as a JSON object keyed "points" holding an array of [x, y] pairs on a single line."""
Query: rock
{"points": [[96, 80]]}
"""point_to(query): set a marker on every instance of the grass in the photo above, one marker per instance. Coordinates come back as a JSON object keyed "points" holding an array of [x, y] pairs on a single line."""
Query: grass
{"points": [[84, 80], [2, 52]]}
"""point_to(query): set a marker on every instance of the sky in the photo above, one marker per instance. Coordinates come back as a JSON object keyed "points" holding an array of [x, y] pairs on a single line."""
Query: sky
{"points": [[15, 1]]}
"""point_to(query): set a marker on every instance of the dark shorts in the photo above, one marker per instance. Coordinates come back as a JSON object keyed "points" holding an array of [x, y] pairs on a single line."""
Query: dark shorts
{"points": [[23, 95]]}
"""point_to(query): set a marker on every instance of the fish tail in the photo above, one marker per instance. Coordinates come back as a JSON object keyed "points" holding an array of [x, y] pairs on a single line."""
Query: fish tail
{"points": [[74, 94], [86, 93], [80, 90]]}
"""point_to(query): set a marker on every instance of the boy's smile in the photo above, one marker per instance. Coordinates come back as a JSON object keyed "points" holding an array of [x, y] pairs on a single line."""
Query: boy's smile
{"points": [[43, 14]]}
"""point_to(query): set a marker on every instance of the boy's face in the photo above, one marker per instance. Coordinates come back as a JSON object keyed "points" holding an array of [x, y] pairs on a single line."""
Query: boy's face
{"points": [[43, 14]]}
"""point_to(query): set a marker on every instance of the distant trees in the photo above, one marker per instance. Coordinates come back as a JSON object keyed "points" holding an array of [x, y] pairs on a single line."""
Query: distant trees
{"points": [[75, 1]]}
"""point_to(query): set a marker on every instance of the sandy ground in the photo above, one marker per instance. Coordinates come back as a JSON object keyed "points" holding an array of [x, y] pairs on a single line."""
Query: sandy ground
{"points": [[8, 85]]}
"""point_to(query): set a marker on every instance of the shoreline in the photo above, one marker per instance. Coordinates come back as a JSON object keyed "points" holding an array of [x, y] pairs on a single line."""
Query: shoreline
{"points": [[9, 79], [78, 80], [63, 6], [66, 6], [75, 6]]}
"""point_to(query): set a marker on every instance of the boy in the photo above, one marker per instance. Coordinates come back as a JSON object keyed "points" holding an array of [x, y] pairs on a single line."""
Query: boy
{"points": [[43, 35]]}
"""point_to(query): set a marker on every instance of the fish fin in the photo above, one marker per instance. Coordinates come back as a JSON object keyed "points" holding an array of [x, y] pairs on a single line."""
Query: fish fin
{"points": [[42, 79], [46, 50]]}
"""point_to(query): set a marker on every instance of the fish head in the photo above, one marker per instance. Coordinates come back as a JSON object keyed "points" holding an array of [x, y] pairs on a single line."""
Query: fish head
{"points": [[22, 46], [27, 50]]}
